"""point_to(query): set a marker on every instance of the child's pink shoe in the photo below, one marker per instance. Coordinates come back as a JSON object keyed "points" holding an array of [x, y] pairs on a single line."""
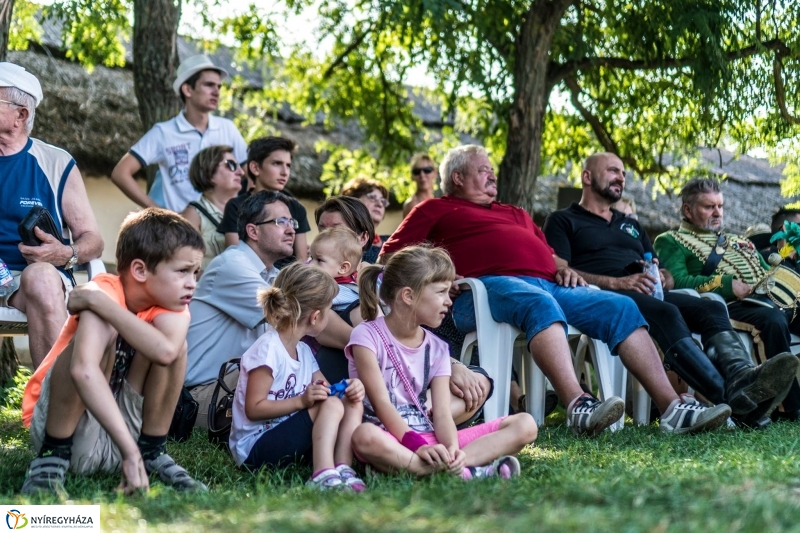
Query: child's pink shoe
{"points": [[326, 479], [351, 479], [504, 467]]}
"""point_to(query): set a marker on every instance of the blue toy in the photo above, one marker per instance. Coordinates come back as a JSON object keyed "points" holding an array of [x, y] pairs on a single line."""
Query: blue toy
{"points": [[337, 389]]}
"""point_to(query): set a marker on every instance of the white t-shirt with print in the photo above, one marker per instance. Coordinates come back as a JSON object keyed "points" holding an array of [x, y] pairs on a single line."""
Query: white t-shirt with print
{"points": [[174, 143], [291, 377]]}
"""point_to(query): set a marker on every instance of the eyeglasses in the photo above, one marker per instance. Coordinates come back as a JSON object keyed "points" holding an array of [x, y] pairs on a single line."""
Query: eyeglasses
{"points": [[375, 197], [418, 171], [231, 164], [285, 222], [12, 103]]}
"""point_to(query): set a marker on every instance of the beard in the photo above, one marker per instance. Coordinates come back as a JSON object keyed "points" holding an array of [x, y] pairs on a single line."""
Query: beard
{"points": [[714, 224], [606, 192]]}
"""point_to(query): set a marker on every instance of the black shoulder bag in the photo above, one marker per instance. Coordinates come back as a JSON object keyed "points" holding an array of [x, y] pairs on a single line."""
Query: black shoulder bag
{"points": [[220, 411], [205, 212]]}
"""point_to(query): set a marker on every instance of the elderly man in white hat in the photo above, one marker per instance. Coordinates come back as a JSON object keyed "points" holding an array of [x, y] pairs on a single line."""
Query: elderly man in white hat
{"points": [[33, 173], [174, 143]]}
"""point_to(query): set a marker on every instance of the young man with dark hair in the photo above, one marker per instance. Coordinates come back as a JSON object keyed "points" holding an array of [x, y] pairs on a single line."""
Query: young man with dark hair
{"points": [[269, 164], [174, 143], [103, 398]]}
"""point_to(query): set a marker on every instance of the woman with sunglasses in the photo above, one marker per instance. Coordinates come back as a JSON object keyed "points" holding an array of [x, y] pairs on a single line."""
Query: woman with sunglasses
{"points": [[425, 174], [215, 173], [373, 195]]}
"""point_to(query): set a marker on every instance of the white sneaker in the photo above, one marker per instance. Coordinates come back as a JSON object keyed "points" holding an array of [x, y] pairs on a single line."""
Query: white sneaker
{"points": [[590, 416], [690, 416]]}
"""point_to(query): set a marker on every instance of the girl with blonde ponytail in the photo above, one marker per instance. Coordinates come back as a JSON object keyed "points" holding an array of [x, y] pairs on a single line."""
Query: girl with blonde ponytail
{"points": [[398, 361], [282, 402]]}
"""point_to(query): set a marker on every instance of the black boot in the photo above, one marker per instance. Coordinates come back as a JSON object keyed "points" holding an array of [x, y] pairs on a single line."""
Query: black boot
{"points": [[686, 359], [751, 390]]}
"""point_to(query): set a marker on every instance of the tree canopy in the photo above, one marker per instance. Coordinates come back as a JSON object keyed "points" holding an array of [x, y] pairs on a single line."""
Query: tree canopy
{"points": [[541, 83]]}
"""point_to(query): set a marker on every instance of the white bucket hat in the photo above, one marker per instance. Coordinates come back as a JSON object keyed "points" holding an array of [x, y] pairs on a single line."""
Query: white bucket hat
{"points": [[12, 75], [191, 66]]}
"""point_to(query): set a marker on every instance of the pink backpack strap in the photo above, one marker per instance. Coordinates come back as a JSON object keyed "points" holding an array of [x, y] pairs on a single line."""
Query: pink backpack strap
{"points": [[400, 372]]}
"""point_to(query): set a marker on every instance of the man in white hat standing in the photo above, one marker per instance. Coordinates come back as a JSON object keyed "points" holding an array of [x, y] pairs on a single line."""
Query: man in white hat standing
{"points": [[33, 173], [174, 143]]}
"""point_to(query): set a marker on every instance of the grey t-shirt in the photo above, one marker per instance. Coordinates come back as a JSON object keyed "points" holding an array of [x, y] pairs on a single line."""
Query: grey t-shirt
{"points": [[226, 317]]}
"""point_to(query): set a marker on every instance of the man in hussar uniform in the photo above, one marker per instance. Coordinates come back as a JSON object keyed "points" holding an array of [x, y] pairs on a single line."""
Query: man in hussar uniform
{"points": [[701, 256]]}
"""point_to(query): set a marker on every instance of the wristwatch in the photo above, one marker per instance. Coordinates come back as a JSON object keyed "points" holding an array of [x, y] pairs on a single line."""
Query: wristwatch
{"points": [[72, 260]]}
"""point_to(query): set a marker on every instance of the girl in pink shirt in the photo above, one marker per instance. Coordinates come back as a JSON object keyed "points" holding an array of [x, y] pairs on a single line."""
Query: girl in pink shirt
{"points": [[398, 361]]}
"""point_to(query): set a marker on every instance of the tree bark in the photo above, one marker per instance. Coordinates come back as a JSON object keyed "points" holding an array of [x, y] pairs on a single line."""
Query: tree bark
{"points": [[155, 61], [532, 88], [6, 9], [9, 363]]}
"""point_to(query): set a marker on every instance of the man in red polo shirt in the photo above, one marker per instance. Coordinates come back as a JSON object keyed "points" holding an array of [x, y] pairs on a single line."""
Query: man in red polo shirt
{"points": [[501, 245]]}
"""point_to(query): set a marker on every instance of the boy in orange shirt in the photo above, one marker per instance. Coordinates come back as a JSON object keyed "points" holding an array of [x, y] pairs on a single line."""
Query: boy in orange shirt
{"points": [[104, 396]]}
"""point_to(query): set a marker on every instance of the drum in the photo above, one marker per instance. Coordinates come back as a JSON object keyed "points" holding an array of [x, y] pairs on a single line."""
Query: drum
{"points": [[781, 290]]}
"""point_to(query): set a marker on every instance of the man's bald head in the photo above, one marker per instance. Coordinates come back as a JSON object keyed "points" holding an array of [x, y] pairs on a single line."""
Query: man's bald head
{"points": [[603, 178], [595, 162]]}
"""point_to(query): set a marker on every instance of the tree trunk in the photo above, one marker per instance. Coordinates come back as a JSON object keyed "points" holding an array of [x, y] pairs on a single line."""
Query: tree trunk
{"points": [[155, 61], [8, 360], [6, 9], [523, 157]]}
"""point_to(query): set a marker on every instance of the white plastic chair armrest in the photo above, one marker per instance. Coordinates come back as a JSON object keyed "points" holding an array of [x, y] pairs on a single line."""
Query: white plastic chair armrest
{"points": [[95, 267]]}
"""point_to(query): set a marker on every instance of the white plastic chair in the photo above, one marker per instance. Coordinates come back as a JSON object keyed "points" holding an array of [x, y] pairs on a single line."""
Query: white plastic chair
{"points": [[503, 337], [13, 322]]}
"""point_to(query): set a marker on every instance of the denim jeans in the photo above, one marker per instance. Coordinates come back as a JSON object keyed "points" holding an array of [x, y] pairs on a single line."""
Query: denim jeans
{"points": [[534, 304]]}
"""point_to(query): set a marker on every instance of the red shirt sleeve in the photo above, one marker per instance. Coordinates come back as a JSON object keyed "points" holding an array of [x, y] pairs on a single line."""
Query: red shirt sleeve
{"points": [[414, 229]]}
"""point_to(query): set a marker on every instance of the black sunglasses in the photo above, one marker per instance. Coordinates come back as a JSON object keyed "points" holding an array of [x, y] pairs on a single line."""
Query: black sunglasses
{"points": [[418, 171], [231, 164]]}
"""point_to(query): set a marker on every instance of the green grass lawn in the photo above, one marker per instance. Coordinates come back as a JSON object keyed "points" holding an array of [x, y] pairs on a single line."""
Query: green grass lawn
{"points": [[632, 480]]}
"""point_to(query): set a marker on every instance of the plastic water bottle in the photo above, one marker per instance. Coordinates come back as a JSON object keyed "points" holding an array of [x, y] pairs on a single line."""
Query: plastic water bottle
{"points": [[652, 269], [6, 280]]}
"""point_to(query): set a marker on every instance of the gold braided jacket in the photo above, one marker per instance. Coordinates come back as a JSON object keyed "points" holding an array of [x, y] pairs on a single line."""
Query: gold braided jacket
{"points": [[684, 252]]}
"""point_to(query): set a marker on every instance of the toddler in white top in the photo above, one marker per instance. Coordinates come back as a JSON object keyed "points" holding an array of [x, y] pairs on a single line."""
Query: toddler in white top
{"points": [[282, 402]]}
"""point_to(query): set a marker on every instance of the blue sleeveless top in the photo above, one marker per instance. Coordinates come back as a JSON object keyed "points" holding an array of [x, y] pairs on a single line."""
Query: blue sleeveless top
{"points": [[34, 176]]}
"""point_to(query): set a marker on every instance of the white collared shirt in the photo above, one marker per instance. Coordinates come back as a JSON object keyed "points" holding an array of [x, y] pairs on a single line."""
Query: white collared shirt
{"points": [[174, 143]]}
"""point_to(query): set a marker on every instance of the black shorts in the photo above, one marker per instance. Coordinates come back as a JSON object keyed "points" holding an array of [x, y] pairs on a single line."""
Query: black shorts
{"points": [[281, 446]]}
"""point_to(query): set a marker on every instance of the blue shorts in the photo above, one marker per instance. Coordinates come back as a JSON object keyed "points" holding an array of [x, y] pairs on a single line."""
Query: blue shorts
{"points": [[534, 304]]}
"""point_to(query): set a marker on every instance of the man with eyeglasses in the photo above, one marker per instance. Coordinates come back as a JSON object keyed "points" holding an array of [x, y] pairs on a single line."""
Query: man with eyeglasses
{"points": [[32, 174], [424, 173], [226, 317], [501, 245], [174, 143], [701, 256]]}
